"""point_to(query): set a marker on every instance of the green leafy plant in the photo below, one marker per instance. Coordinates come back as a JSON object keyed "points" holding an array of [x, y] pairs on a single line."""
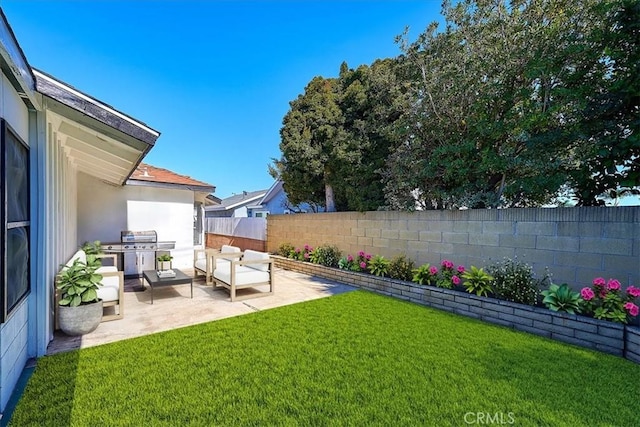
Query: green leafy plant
{"points": [[514, 281], [606, 300], [401, 268], [562, 298], [379, 265], [326, 255], [477, 281], [426, 274], [285, 250], [92, 248], [79, 282], [164, 258]]}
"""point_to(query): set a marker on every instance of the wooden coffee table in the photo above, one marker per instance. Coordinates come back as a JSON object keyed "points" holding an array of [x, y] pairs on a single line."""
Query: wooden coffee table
{"points": [[151, 276]]}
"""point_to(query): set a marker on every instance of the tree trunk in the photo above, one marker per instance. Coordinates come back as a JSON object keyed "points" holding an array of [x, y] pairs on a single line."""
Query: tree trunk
{"points": [[330, 202]]}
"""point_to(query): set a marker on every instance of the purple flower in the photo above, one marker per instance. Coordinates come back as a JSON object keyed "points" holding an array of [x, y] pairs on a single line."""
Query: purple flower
{"points": [[307, 247], [361, 254], [599, 281], [368, 256], [447, 264], [587, 294], [349, 258], [455, 280], [363, 265], [461, 269], [306, 255], [433, 270], [631, 308], [633, 291], [613, 285]]}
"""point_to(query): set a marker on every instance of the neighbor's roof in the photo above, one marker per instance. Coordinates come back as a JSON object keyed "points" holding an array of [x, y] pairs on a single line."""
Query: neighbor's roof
{"points": [[237, 200], [145, 174]]}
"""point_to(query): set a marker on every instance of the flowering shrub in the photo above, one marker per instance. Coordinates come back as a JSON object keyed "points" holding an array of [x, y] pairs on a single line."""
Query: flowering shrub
{"points": [[303, 254], [359, 263], [514, 281], [606, 300], [447, 277]]}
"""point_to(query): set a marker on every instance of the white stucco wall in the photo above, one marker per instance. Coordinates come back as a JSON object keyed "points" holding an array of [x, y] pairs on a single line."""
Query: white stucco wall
{"points": [[104, 211], [14, 331]]}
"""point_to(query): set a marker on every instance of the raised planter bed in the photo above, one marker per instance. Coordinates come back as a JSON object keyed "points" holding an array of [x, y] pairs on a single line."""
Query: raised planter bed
{"points": [[605, 336]]}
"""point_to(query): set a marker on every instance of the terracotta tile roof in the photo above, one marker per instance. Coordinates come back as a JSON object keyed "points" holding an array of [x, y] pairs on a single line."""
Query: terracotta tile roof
{"points": [[146, 172]]}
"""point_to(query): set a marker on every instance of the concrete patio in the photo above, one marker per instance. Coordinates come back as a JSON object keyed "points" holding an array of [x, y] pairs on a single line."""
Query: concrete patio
{"points": [[173, 308]]}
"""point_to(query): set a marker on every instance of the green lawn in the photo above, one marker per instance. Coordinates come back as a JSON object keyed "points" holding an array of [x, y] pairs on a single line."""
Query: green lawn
{"points": [[356, 358]]}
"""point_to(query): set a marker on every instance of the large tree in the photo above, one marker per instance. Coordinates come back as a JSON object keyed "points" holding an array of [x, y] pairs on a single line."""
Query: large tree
{"points": [[492, 108], [313, 145]]}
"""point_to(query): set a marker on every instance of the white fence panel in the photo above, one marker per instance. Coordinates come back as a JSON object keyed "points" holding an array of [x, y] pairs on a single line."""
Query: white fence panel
{"points": [[250, 228]]}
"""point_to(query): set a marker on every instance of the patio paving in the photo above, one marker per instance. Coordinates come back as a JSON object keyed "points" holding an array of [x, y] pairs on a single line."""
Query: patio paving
{"points": [[173, 308]]}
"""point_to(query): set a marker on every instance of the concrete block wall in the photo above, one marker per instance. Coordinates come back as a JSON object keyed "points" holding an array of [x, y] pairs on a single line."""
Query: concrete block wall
{"points": [[576, 244]]}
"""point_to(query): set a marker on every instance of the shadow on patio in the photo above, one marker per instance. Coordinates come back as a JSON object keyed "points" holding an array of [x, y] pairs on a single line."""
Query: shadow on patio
{"points": [[173, 308]]}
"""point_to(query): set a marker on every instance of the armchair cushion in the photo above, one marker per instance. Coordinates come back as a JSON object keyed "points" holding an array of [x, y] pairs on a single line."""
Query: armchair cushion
{"points": [[250, 255]]}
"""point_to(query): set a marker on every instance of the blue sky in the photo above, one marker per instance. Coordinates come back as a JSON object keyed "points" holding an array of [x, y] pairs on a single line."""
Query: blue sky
{"points": [[214, 77]]}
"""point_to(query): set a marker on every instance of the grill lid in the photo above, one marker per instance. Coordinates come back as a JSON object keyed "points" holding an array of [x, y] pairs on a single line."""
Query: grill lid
{"points": [[148, 236]]}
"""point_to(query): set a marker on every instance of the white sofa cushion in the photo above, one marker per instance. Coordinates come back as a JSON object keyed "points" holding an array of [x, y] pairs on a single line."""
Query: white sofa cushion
{"points": [[109, 289], [244, 275], [250, 255], [107, 269], [225, 249], [201, 264]]}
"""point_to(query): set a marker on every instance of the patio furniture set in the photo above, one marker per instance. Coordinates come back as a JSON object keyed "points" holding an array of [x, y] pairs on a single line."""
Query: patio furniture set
{"points": [[228, 267]]}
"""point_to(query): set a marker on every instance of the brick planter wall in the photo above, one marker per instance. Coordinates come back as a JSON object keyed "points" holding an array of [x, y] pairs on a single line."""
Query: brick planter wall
{"points": [[608, 337]]}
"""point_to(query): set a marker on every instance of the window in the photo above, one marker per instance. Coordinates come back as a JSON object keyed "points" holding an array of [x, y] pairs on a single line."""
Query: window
{"points": [[15, 217], [197, 223]]}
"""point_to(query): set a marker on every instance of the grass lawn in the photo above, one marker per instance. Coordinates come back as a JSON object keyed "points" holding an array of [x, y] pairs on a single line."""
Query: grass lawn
{"points": [[356, 358]]}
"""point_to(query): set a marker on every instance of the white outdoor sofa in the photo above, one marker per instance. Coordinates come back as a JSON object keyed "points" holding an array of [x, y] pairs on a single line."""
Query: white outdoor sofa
{"points": [[112, 290], [202, 260]]}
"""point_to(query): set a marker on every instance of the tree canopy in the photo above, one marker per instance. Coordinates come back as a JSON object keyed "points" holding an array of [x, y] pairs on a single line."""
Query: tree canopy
{"points": [[505, 106]]}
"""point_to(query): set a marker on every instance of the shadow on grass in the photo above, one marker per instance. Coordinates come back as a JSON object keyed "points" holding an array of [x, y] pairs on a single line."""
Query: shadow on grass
{"points": [[53, 384]]}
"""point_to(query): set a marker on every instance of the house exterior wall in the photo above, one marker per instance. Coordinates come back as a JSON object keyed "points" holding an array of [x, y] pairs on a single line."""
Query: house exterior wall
{"points": [[577, 244], [105, 210], [14, 332]]}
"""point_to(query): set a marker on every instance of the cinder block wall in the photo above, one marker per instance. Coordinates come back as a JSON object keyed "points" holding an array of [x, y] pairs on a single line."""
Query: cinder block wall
{"points": [[577, 244]]}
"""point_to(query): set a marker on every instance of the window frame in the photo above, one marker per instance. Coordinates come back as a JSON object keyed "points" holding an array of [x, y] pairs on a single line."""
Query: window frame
{"points": [[7, 131]]}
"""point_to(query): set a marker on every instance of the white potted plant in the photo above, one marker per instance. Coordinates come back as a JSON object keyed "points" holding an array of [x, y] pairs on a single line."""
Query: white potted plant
{"points": [[164, 262], [79, 308]]}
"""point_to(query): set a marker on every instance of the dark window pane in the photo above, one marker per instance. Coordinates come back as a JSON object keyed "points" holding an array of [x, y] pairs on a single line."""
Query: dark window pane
{"points": [[17, 265], [17, 182]]}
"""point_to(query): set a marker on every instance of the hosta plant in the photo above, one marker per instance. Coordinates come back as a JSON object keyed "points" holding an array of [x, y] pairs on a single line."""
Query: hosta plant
{"points": [[379, 265], [477, 281], [78, 283], [562, 298]]}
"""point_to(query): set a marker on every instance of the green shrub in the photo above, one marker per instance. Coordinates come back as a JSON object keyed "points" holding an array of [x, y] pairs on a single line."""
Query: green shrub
{"points": [[514, 281], [401, 268], [562, 298], [477, 281], [379, 266], [327, 255], [285, 250]]}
